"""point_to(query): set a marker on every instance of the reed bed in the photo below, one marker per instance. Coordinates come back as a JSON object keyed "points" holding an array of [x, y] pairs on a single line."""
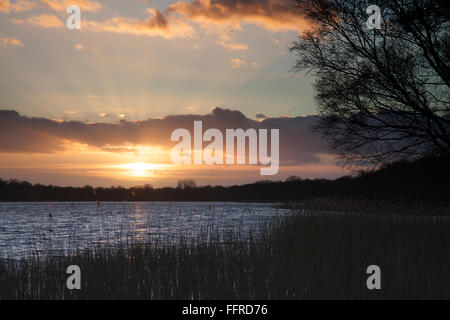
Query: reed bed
{"points": [[305, 255]]}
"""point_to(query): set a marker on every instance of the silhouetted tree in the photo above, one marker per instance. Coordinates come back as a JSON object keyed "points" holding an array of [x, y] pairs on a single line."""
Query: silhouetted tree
{"points": [[383, 93], [186, 184], [293, 178]]}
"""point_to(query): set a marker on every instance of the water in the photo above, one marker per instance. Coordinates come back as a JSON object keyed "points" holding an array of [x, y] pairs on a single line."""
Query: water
{"points": [[52, 227]]}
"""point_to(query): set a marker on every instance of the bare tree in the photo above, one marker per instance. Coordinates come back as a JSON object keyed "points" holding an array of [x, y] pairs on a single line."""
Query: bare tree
{"points": [[383, 93]]}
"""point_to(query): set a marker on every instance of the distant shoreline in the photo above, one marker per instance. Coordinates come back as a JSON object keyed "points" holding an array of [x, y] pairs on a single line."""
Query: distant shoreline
{"points": [[405, 181]]}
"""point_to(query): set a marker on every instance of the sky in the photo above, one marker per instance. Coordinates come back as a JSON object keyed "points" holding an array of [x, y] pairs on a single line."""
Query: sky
{"points": [[98, 105]]}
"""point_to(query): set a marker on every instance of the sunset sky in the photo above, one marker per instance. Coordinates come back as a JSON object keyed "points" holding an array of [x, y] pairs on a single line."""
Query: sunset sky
{"points": [[98, 106]]}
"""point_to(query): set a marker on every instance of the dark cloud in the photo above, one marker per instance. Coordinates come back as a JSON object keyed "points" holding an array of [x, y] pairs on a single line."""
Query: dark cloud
{"points": [[298, 143], [271, 14]]}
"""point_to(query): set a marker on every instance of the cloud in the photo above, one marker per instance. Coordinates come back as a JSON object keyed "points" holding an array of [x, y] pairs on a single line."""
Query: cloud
{"points": [[226, 42], [4, 5], [238, 63], [177, 20], [43, 20], [13, 42], [83, 48], [274, 40], [158, 25], [118, 149], [56, 5], [274, 15], [62, 5], [298, 143], [18, 6]]}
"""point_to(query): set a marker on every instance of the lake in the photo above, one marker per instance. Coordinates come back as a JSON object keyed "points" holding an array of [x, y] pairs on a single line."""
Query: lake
{"points": [[52, 227]]}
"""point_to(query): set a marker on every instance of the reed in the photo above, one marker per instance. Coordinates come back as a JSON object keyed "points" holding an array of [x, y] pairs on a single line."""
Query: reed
{"points": [[305, 255]]}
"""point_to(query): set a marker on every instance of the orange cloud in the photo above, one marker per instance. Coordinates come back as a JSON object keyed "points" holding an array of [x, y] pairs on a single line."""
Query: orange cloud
{"points": [[4, 5], [237, 63], [176, 21], [274, 15], [62, 5], [18, 6], [226, 42], [157, 25], [44, 20], [4, 41]]}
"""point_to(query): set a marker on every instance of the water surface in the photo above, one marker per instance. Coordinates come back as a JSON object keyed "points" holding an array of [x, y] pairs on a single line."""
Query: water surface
{"points": [[49, 227]]}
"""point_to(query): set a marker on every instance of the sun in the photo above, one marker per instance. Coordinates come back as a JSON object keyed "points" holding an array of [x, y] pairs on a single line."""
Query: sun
{"points": [[139, 169]]}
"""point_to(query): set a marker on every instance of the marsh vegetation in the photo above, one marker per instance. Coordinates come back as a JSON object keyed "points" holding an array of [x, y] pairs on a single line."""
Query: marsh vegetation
{"points": [[307, 254]]}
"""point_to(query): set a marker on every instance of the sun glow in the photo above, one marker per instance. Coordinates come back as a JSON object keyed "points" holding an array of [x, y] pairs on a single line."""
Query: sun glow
{"points": [[140, 169]]}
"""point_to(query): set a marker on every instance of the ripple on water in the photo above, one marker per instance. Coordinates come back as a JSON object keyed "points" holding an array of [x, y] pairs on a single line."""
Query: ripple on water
{"points": [[48, 227]]}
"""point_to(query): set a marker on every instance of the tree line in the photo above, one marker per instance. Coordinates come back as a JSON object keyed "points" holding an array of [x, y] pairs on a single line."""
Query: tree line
{"points": [[424, 179]]}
